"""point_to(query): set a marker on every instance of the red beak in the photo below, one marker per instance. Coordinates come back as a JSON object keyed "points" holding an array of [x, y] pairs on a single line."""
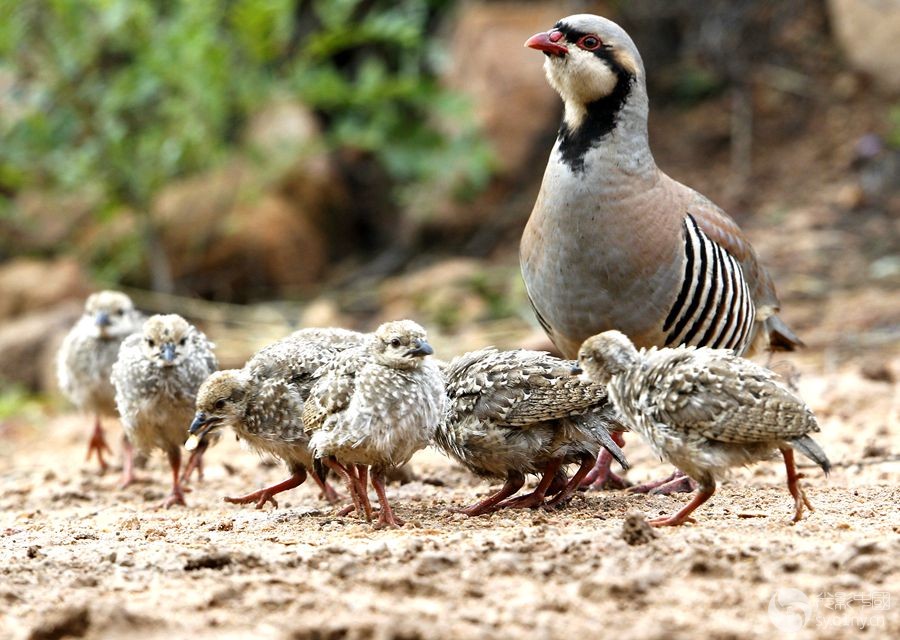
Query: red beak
{"points": [[548, 43]]}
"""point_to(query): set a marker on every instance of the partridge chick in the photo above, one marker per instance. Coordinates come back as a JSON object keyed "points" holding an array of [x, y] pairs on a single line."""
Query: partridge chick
{"points": [[615, 243], [704, 410], [512, 413], [263, 404], [375, 406], [85, 360], [156, 378]]}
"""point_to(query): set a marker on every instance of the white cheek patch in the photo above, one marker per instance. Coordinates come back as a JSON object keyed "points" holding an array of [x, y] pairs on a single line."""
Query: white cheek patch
{"points": [[581, 77]]}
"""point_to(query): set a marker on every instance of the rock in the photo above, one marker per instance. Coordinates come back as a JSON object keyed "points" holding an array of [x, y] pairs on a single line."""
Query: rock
{"points": [[869, 33], [636, 530], [71, 622], [29, 345], [29, 285]]}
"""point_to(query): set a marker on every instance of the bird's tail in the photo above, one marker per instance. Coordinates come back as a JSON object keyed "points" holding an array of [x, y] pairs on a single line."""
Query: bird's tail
{"points": [[599, 423], [780, 336], [811, 449]]}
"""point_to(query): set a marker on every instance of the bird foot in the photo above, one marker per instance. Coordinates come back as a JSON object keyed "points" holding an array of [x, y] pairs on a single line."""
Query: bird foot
{"points": [[260, 497], [98, 445], [330, 495], [671, 521], [176, 497], [675, 483], [387, 520], [606, 482], [800, 500], [528, 501]]}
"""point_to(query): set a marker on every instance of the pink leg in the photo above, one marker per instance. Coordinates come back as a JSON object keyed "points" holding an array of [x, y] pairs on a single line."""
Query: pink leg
{"points": [[263, 496], [386, 518], [351, 483], [195, 461], [677, 482], [684, 515], [328, 491], [793, 481], [563, 497], [362, 477], [128, 477], [514, 482], [97, 444], [536, 497], [177, 495], [601, 476]]}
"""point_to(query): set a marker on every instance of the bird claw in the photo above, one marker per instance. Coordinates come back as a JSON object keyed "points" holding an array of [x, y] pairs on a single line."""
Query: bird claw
{"points": [[675, 483], [671, 521], [259, 497], [176, 497]]}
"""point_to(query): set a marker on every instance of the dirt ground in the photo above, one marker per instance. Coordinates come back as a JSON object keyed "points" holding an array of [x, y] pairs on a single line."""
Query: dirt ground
{"points": [[81, 557]]}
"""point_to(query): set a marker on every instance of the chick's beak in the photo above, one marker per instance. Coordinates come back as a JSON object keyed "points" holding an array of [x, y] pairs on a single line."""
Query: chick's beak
{"points": [[422, 348], [101, 319], [577, 370], [168, 352], [548, 42], [201, 425]]}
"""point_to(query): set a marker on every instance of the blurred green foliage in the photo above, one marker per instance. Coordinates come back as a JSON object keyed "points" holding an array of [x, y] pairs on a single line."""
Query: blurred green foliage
{"points": [[894, 133], [127, 95]]}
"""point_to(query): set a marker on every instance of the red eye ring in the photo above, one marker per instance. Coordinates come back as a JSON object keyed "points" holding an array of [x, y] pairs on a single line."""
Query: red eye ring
{"points": [[590, 43]]}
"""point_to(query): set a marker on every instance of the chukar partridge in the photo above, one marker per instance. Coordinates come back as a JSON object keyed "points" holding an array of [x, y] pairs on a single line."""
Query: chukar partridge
{"points": [[156, 377], [513, 413], [263, 404], [704, 410], [375, 406], [85, 360], [615, 243]]}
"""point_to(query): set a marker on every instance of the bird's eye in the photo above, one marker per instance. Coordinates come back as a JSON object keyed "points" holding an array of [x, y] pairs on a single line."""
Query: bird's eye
{"points": [[589, 43], [220, 403], [151, 343], [183, 341], [395, 342], [120, 312]]}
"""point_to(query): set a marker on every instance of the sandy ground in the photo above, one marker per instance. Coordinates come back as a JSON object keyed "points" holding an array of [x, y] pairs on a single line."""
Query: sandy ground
{"points": [[81, 557]]}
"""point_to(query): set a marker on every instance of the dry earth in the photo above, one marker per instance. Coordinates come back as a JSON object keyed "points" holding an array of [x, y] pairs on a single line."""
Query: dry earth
{"points": [[81, 557]]}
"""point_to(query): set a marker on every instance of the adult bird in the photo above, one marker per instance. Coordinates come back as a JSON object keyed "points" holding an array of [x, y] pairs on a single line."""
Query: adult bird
{"points": [[615, 243]]}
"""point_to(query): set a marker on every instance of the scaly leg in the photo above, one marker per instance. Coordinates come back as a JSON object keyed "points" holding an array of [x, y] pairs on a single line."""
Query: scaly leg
{"points": [[536, 497], [514, 482], [386, 518], [563, 497], [362, 477], [97, 444], [128, 477], [328, 491], [793, 482], [678, 482], [684, 515], [177, 495], [601, 476], [351, 483], [195, 461], [267, 494]]}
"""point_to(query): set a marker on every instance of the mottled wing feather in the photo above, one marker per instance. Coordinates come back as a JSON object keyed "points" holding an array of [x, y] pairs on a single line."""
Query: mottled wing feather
{"points": [[725, 398], [333, 390]]}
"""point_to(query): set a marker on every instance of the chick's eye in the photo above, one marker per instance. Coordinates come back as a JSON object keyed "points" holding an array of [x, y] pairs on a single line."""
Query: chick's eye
{"points": [[120, 312], [589, 43], [220, 404], [150, 343], [395, 342], [182, 342]]}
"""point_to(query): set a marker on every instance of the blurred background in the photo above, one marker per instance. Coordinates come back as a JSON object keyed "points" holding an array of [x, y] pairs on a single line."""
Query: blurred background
{"points": [[261, 165]]}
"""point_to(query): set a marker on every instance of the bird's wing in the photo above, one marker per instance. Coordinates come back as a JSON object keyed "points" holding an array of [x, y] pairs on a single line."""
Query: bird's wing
{"points": [[333, 390], [522, 388], [723, 397]]}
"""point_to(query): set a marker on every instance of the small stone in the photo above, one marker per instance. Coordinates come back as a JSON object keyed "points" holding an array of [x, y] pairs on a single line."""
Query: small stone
{"points": [[636, 530]]}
